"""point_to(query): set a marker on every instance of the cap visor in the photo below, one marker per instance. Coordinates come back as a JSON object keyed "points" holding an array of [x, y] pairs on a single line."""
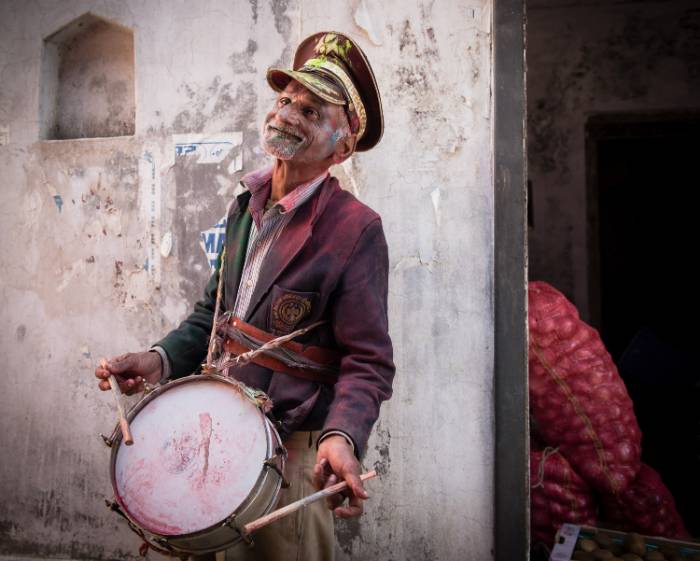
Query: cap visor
{"points": [[279, 78]]}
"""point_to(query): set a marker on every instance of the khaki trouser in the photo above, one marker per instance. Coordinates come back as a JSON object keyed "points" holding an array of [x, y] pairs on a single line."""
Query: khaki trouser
{"points": [[306, 535]]}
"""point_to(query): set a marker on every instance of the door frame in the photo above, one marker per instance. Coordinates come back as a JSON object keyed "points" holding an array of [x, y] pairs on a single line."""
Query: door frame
{"points": [[512, 449]]}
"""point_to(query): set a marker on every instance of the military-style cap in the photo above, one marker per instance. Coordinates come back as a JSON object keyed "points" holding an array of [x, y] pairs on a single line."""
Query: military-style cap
{"points": [[333, 66]]}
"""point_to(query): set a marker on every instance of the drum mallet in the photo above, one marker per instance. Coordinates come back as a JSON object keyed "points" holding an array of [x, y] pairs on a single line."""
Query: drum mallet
{"points": [[123, 423], [301, 503]]}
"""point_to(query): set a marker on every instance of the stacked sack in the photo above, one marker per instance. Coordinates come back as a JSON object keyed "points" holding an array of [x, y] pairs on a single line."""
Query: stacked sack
{"points": [[557, 495], [580, 406], [646, 506]]}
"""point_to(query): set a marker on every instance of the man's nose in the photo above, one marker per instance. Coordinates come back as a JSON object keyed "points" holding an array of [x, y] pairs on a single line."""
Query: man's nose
{"points": [[289, 114]]}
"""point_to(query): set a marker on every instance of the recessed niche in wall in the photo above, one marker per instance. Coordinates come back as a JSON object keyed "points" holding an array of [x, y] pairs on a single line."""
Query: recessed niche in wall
{"points": [[87, 81]]}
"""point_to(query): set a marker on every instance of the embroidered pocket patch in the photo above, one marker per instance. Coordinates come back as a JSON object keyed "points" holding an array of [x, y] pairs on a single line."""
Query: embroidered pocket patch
{"points": [[288, 309]]}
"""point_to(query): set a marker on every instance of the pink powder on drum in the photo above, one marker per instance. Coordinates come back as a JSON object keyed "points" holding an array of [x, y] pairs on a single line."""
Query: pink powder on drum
{"points": [[206, 429]]}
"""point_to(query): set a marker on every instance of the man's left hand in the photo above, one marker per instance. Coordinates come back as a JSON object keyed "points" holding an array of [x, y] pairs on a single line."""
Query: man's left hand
{"points": [[335, 462]]}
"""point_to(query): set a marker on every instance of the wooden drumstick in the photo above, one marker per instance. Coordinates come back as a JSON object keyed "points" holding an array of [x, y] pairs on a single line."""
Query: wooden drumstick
{"points": [[123, 423], [301, 503]]}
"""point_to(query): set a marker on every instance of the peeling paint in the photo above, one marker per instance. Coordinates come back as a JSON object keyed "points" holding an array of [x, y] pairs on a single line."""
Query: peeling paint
{"points": [[254, 9], [215, 107], [166, 244], [243, 61], [283, 23], [382, 448], [412, 262], [435, 198], [58, 200], [70, 272], [369, 22]]}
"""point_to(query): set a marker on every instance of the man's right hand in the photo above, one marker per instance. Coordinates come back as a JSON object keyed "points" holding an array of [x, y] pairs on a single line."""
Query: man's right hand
{"points": [[131, 371]]}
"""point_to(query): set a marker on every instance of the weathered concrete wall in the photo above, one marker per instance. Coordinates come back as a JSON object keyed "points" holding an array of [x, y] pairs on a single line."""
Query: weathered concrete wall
{"points": [[84, 272], [585, 58]]}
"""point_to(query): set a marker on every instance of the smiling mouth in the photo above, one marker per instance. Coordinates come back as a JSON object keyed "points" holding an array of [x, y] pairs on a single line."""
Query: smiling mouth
{"points": [[286, 133]]}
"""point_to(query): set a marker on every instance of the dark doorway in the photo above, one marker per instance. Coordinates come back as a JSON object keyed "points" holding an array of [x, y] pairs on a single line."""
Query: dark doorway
{"points": [[644, 173]]}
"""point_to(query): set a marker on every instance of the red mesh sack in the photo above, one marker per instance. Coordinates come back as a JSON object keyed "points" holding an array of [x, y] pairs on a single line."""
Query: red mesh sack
{"points": [[645, 507], [578, 401], [557, 495]]}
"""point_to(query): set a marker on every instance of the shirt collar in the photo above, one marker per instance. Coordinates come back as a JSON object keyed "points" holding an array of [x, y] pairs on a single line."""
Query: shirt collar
{"points": [[259, 183]]}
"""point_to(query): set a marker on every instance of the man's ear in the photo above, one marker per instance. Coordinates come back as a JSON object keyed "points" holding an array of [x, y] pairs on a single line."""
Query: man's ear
{"points": [[344, 148]]}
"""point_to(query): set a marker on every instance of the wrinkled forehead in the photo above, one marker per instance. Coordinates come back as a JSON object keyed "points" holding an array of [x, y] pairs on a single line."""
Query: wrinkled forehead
{"points": [[299, 90], [331, 110]]}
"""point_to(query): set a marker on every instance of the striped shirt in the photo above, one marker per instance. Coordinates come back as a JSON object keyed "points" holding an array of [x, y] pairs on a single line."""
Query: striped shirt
{"points": [[268, 223]]}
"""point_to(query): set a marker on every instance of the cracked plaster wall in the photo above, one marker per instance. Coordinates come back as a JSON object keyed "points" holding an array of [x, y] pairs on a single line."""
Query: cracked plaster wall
{"points": [[75, 232], [586, 58]]}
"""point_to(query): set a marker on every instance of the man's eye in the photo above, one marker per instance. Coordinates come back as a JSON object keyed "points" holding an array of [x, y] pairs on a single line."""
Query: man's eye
{"points": [[284, 100], [309, 112]]}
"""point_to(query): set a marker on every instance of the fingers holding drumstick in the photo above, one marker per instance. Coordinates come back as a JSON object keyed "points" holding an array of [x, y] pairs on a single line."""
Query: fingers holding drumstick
{"points": [[123, 423]]}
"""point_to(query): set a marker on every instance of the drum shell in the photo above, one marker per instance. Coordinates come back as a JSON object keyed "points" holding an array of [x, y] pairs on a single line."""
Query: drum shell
{"points": [[224, 534]]}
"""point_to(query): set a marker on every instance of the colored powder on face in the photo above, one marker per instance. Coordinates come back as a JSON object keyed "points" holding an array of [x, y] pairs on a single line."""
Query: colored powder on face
{"points": [[280, 145]]}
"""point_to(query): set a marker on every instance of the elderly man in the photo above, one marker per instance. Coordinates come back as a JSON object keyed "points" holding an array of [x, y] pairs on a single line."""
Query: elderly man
{"points": [[301, 252]]}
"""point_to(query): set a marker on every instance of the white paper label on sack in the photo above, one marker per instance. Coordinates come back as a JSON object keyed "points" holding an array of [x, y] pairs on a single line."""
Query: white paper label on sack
{"points": [[565, 542]]}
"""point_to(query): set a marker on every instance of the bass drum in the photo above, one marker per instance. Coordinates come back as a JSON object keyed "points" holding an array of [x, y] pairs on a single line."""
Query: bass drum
{"points": [[205, 461]]}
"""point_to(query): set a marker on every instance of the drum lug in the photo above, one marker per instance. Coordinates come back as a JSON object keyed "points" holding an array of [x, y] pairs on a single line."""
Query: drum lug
{"points": [[163, 542], [272, 463], [148, 388], [113, 505], [231, 523], [109, 440]]}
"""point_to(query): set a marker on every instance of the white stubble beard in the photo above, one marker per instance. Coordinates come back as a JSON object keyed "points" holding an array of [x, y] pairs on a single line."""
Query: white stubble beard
{"points": [[279, 145]]}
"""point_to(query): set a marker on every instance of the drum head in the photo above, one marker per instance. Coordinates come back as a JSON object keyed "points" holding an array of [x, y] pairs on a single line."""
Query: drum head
{"points": [[198, 451]]}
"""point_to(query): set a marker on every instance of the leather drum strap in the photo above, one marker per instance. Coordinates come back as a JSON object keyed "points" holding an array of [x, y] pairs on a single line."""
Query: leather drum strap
{"points": [[316, 364]]}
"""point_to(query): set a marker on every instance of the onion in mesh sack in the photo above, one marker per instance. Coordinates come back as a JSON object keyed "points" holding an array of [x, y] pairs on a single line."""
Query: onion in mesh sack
{"points": [[557, 495], [646, 507], [577, 399]]}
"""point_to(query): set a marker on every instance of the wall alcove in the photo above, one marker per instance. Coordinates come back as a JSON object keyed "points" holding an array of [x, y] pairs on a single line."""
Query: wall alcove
{"points": [[87, 82]]}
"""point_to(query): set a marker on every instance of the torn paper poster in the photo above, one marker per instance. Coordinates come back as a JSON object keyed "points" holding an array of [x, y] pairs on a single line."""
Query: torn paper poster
{"points": [[212, 241], [151, 192], [210, 148]]}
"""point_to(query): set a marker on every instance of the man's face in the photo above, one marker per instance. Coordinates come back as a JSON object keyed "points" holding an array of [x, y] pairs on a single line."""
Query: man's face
{"points": [[304, 128]]}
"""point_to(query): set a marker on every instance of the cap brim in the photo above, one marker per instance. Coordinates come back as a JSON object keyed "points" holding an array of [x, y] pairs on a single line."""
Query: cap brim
{"points": [[279, 78]]}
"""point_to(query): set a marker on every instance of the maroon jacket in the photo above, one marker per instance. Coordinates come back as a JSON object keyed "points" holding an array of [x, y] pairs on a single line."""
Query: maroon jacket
{"points": [[331, 259]]}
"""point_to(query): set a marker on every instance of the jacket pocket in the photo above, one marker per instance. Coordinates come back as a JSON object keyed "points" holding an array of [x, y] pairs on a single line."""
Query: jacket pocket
{"points": [[289, 308]]}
